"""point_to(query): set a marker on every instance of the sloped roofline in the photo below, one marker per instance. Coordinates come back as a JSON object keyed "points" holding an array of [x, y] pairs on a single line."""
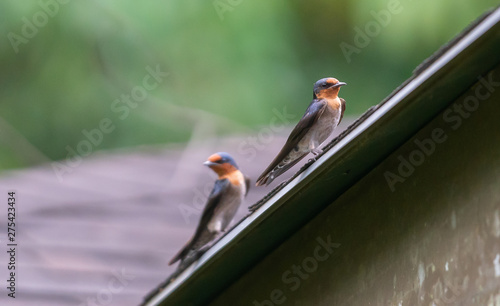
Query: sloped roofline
{"points": [[437, 82]]}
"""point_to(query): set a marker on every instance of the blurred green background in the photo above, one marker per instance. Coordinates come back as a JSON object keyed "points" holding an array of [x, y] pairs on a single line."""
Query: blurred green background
{"points": [[229, 63]]}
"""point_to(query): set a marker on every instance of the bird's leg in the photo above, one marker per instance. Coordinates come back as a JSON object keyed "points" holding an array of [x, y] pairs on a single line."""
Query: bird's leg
{"points": [[314, 147]]}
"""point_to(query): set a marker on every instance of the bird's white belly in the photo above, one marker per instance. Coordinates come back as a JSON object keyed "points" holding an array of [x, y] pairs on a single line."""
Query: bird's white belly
{"points": [[321, 130]]}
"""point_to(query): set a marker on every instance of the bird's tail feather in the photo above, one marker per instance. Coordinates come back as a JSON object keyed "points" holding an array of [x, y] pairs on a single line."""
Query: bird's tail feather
{"points": [[182, 253], [277, 171], [200, 238]]}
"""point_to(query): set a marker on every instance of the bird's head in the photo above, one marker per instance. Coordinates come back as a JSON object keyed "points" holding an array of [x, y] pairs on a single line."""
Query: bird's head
{"points": [[327, 88], [221, 163]]}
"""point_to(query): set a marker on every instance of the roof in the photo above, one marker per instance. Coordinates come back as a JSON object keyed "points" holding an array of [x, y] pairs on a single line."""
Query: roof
{"points": [[118, 210], [383, 128]]}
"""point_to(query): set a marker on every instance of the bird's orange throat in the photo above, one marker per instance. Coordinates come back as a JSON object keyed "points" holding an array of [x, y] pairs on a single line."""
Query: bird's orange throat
{"points": [[228, 171], [235, 178], [329, 93]]}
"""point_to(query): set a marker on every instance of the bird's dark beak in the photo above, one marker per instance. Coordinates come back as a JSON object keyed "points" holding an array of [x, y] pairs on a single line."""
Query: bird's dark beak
{"points": [[209, 163], [339, 84]]}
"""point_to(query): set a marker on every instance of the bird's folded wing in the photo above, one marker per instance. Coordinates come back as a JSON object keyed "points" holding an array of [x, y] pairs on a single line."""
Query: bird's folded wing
{"points": [[313, 112], [213, 200], [342, 109], [198, 238], [248, 182]]}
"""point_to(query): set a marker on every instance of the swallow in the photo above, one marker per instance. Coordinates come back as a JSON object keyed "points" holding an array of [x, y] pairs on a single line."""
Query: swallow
{"points": [[322, 116], [228, 193]]}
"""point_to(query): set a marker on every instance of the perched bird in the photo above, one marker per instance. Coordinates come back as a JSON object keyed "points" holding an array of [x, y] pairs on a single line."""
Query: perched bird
{"points": [[322, 116], [227, 194]]}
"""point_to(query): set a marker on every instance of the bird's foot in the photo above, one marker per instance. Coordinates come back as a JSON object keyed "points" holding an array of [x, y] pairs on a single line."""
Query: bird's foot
{"points": [[316, 151]]}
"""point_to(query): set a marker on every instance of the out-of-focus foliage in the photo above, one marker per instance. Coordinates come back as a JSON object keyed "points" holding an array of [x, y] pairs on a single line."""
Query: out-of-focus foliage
{"points": [[229, 64]]}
